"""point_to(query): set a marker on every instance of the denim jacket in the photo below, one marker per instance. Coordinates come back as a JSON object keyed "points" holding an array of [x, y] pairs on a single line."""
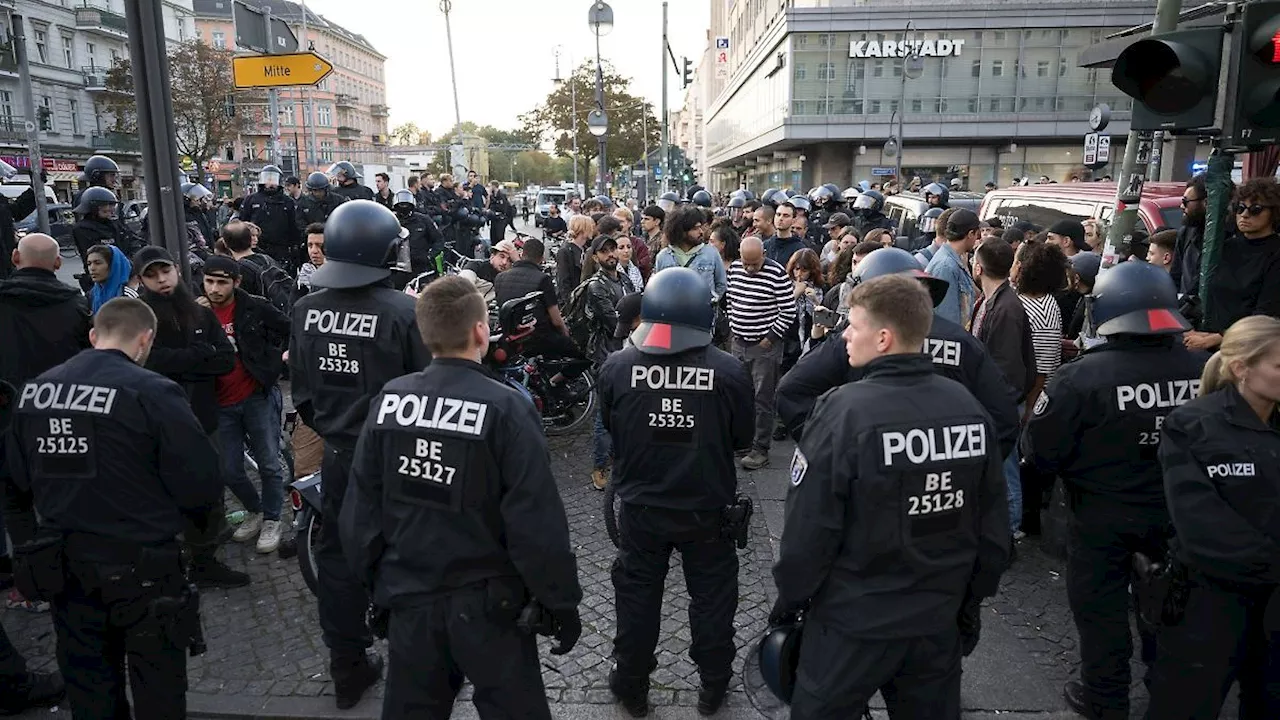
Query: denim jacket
{"points": [[705, 261], [958, 304]]}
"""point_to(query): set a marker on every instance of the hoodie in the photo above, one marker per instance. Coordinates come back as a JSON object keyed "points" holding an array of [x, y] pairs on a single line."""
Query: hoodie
{"points": [[43, 322], [113, 288]]}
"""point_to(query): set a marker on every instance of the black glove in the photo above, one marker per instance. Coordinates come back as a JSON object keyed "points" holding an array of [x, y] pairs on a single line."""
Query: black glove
{"points": [[784, 613], [970, 622], [568, 628]]}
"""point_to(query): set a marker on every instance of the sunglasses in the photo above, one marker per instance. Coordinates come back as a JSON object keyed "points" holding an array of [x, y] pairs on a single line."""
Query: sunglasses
{"points": [[1249, 210], [1188, 201]]}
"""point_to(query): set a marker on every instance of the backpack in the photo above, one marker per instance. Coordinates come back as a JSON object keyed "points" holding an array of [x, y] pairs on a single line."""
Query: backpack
{"points": [[576, 317], [276, 285]]}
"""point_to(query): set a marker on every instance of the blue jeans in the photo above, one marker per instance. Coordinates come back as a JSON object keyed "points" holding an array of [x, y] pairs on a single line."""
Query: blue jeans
{"points": [[256, 420], [601, 443], [1013, 485]]}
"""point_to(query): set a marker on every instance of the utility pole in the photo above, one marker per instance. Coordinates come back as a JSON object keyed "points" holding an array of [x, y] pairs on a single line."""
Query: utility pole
{"points": [[665, 162], [273, 97], [445, 7], [644, 123], [1137, 151], [33, 121]]}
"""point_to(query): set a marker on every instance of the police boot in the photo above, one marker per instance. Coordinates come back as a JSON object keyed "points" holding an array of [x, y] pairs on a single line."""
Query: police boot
{"points": [[633, 695], [711, 697], [352, 676], [1073, 692], [46, 689]]}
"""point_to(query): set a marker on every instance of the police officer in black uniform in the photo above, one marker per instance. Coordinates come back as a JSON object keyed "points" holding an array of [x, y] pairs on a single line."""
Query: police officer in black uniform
{"points": [[349, 182], [425, 240], [273, 210], [896, 519], [956, 354], [348, 341], [453, 521], [319, 202], [678, 409], [10, 210], [115, 459], [1097, 426], [868, 212], [937, 195], [96, 225]]}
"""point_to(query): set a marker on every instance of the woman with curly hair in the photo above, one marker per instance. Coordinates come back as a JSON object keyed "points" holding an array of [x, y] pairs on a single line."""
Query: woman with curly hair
{"points": [[1040, 269]]}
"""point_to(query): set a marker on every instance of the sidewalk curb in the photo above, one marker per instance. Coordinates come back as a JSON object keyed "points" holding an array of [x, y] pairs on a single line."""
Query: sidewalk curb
{"points": [[227, 707]]}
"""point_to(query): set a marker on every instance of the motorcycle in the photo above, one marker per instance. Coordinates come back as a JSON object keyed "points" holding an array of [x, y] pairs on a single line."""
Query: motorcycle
{"points": [[304, 498]]}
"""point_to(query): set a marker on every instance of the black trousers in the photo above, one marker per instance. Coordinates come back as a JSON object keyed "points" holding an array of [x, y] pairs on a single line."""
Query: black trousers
{"points": [[436, 644], [15, 681], [1102, 537], [1220, 639], [648, 535], [343, 601], [838, 675], [108, 639]]}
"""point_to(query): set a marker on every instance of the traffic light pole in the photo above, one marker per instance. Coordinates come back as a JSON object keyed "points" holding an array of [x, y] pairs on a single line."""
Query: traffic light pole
{"points": [[1137, 152], [665, 162], [32, 122]]}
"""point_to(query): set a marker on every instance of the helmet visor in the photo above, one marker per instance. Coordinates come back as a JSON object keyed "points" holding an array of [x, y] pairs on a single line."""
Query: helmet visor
{"points": [[270, 178], [928, 224], [864, 202], [335, 170]]}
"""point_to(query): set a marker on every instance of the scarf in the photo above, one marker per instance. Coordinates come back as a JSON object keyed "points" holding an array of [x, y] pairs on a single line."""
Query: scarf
{"points": [[113, 287]]}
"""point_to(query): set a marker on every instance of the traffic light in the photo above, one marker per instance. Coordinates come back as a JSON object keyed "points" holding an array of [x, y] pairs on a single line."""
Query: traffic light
{"points": [[1255, 119], [688, 72], [1173, 79]]}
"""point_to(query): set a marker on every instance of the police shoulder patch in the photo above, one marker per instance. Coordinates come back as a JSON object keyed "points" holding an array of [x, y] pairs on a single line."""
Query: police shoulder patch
{"points": [[1042, 404], [799, 464]]}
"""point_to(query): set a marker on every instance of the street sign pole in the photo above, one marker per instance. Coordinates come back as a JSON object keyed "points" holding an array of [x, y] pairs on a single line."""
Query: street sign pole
{"points": [[32, 122], [273, 96], [666, 147]]}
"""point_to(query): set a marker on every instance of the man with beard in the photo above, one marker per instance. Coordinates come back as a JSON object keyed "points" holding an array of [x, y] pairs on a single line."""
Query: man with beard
{"points": [[192, 350], [1186, 264]]}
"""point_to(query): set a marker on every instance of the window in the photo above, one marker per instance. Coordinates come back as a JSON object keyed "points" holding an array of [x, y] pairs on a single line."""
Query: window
{"points": [[824, 39], [999, 36], [219, 40], [42, 43], [326, 151], [6, 110], [800, 71], [917, 106], [115, 56], [897, 68], [324, 115], [68, 51], [997, 68], [46, 113], [827, 71], [976, 69], [973, 105], [286, 114], [1062, 67], [875, 107], [75, 117], [877, 70], [91, 50], [1042, 68]]}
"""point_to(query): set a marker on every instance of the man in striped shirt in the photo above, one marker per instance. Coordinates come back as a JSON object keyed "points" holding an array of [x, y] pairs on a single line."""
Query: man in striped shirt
{"points": [[761, 309]]}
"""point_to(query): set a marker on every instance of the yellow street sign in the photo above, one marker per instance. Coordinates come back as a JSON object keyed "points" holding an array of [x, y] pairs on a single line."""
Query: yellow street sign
{"points": [[268, 71]]}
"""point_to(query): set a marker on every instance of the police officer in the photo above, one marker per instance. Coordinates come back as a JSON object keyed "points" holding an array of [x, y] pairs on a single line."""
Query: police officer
{"points": [[273, 210], [956, 354], [1097, 426], [10, 210], [349, 182], [96, 225], [425, 241], [737, 215], [102, 172], [319, 202], [347, 343], [895, 520], [668, 201], [868, 212], [197, 206], [671, 401], [936, 195], [115, 459], [453, 519], [1221, 458], [701, 198]]}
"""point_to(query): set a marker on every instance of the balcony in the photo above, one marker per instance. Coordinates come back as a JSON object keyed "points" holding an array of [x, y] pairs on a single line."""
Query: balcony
{"points": [[344, 100], [95, 79], [13, 129], [346, 132], [379, 110], [101, 21], [379, 140], [116, 143]]}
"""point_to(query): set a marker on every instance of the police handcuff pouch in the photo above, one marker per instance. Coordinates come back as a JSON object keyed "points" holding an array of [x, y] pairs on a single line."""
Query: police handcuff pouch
{"points": [[62, 447], [39, 567]]}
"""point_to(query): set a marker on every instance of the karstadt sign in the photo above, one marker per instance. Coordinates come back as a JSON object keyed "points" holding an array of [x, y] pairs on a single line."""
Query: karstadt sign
{"points": [[896, 49]]}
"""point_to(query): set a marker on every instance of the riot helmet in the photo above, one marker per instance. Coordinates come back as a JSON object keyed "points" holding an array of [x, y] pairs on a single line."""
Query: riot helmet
{"points": [[93, 198], [1134, 298], [771, 197], [850, 194], [821, 195], [668, 201], [361, 241], [102, 171], [833, 189], [605, 201], [800, 202], [403, 202], [195, 193], [737, 201], [937, 190], [870, 201], [702, 198], [929, 220], [343, 171], [895, 261], [269, 177], [746, 194], [676, 313], [317, 181], [778, 655]]}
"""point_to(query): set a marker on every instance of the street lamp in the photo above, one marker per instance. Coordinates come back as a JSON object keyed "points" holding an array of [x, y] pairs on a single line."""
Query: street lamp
{"points": [[912, 68], [600, 18], [573, 101]]}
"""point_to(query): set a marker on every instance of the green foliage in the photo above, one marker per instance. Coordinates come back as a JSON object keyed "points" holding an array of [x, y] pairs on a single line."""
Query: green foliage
{"points": [[409, 134]]}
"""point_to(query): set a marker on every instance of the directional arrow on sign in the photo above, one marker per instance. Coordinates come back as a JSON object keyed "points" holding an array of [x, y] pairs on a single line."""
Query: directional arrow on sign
{"points": [[268, 71]]}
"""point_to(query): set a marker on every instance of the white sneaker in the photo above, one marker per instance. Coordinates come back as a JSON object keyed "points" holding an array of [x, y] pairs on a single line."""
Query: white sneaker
{"points": [[269, 540], [248, 529]]}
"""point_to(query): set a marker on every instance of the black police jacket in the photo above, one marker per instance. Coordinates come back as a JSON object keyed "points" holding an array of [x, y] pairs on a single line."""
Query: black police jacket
{"points": [[194, 355], [1222, 478], [311, 210], [345, 345], [12, 211], [1097, 424], [676, 421], [452, 485], [425, 240], [208, 225], [956, 355], [354, 191], [277, 215], [43, 321], [111, 449], [867, 221], [262, 335], [89, 231], [896, 511]]}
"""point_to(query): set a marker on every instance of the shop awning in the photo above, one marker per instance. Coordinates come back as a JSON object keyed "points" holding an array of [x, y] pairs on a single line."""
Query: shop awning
{"points": [[58, 176]]}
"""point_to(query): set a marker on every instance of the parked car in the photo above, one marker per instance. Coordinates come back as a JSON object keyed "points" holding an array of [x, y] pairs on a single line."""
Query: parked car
{"points": [[546, 196], [1044, 205], [12, 190], [61, 220], [133, 212], [905, 209]]}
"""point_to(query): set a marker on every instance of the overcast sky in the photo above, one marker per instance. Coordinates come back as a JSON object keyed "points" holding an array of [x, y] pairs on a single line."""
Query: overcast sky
{"points": [[504, 51]]}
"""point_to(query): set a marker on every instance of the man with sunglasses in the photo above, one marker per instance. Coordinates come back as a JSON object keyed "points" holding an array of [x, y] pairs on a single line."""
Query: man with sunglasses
{"points": [[1247, 278], [1186, 266]]}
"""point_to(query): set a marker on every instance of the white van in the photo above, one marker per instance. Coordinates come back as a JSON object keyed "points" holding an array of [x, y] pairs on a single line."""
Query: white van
{"points": [[13, 190], [546, 197]]}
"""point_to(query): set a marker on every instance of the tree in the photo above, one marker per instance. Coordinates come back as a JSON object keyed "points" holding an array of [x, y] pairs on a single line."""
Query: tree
{"points": [[555, 120], [200, 80], [409, 134]]}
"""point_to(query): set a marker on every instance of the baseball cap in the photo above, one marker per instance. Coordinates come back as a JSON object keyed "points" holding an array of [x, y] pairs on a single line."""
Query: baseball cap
{"points": [[1073, 229], [1086, 265], [838, 220], [151, 255], [961, 223], [601, 242], [222, 266], [628, 311], [505, 246]]}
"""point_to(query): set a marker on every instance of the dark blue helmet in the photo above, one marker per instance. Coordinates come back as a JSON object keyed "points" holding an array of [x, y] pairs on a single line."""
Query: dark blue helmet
{"points": [[737, 201], [404, 201], [929, 220], [772, 197], [361, 240], [895, 261], [801, 202], [939, 190], [606, 201], [1135, 298], [343, 170], [98, 166], [778, 654], [869, 201], [702, 198], [676, 313], [832, 188], [821, 195], [95, 197], [317, 181]]}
